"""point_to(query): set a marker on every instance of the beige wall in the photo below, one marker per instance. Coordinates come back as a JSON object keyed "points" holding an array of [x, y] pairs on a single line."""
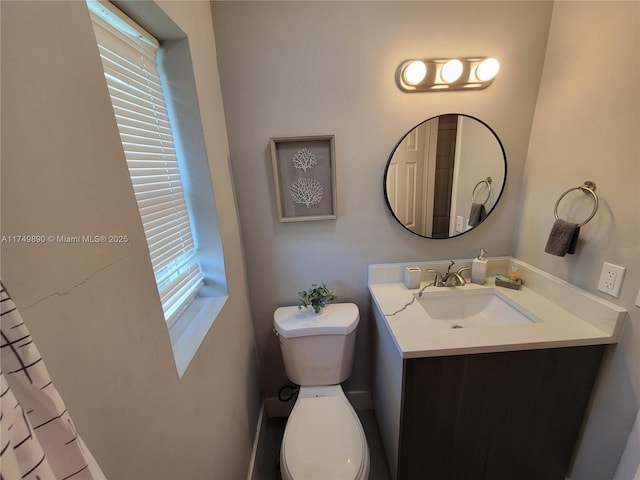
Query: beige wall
{"points": [[93, 309], [311, 68], [587, 127]]}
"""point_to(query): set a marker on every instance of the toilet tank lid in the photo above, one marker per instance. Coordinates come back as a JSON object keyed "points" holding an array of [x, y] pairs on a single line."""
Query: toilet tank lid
{"points": [[334, 319]]}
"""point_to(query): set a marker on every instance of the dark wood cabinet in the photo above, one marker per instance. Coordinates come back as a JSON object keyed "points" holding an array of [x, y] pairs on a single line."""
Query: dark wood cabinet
{"points": [[506, 415]]}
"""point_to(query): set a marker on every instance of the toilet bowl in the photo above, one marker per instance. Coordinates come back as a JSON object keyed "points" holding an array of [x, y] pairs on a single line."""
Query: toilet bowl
{"points": [[324, 439]]}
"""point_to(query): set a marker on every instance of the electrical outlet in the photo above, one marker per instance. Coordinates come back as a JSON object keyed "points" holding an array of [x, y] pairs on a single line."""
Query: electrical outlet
{"points": [[611, 279], [459, 224]]}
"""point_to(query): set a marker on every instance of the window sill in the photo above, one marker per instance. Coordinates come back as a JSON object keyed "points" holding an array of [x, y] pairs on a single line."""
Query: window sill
{"points": [[188, 331]]}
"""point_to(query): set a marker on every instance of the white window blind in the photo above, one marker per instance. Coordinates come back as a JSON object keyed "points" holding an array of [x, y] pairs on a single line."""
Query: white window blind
{"points": [[129, 62]]}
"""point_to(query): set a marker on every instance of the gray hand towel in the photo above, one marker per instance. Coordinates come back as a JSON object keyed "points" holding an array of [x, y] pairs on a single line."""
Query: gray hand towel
{"points": [[477, 215], [563, 238]]}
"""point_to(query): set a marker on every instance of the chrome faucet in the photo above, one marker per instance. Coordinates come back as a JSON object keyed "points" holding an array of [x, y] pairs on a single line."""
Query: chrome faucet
{"points": [[446, 280]]}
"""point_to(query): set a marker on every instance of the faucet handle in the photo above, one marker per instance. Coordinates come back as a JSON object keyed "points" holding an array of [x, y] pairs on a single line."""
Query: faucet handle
{"points": [[437, 279], [463, 269]]}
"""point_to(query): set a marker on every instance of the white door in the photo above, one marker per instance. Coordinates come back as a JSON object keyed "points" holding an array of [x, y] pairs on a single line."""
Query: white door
{"points": [[407, 178]]}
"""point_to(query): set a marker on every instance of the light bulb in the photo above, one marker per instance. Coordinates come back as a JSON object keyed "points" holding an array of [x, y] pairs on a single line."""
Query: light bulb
{"points": [[487, 69], [451, 70], [415, 72]]}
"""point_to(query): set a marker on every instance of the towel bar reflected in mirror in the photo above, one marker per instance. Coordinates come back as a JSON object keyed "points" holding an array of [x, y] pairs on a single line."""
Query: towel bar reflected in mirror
{"points": [[473, 194]]}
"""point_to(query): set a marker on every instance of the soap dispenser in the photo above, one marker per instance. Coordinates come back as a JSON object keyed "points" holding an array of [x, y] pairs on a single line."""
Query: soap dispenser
{"points": [[479, 268]]}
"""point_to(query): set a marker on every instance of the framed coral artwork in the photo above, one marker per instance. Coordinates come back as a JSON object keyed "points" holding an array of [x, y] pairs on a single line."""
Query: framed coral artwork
{"points": [[304, 177]]}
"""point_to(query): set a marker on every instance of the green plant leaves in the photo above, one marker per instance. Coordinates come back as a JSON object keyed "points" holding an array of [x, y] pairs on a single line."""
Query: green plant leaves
{"points": [[316, 297]]}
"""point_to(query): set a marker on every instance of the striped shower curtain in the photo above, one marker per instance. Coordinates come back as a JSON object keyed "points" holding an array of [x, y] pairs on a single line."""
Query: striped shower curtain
{"points": [[38, 438]]}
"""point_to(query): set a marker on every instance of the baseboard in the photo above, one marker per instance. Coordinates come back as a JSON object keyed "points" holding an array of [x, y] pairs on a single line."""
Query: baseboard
{"points": [[262, 419], [273, 407]]}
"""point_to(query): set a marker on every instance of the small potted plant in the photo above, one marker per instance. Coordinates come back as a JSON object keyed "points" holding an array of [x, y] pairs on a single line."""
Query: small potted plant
{"points": [[316, 297]]}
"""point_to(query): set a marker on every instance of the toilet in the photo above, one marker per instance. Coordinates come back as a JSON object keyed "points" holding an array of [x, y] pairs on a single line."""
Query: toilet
{"points": [[323, 438]]}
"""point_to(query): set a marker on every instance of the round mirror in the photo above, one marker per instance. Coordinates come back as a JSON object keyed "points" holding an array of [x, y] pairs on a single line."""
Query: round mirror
{"points": [[445, 176]]}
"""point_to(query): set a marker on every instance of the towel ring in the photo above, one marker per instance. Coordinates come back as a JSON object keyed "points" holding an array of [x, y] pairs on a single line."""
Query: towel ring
{"points": [[488, 183], [589, 188]]}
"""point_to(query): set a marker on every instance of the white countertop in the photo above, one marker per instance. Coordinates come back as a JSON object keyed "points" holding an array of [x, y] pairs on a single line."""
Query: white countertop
{"points": [[570, 316]]}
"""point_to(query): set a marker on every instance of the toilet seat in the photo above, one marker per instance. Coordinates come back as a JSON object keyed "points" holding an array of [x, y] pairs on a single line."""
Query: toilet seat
{"points": [[324, 439]]}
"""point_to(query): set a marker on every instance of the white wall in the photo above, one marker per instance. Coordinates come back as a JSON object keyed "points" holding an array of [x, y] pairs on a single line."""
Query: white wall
{"points": [[93, 309], [312, 68], [587, 127], [480, 157]]}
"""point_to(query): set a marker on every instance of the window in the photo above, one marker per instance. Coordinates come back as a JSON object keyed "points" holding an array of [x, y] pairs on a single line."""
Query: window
{"points": [[128, 55], [198, 296]]}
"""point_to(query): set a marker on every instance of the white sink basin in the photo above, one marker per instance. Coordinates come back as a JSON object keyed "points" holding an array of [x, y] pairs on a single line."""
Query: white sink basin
{"points": [[474, 308]]}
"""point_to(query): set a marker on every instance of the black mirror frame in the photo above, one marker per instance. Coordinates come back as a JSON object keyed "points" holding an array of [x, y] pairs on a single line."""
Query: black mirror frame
{"points": [[386, 170]]}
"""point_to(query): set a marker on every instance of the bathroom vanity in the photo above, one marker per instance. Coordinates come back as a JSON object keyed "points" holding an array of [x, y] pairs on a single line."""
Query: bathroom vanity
{"points": [[481, 381]]}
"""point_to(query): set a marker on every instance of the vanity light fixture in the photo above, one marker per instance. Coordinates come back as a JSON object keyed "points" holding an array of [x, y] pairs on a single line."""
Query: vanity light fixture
{"points": [[487, 69], [451, 71], [422, 75], [415, 72]]}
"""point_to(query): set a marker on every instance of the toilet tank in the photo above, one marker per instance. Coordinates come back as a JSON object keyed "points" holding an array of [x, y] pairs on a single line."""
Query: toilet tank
{"points": [[317, 349]]}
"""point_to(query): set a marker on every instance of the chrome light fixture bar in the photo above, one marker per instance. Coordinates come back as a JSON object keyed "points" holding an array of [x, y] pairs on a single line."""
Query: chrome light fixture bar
{"points": [[423, 75]]}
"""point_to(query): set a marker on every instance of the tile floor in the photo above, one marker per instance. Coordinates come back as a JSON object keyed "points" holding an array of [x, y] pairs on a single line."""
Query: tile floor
{"points": [[268, 452]]}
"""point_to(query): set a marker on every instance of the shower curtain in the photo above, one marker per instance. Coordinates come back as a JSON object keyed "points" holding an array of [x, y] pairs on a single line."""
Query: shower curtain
{"points": [[38, 438]]}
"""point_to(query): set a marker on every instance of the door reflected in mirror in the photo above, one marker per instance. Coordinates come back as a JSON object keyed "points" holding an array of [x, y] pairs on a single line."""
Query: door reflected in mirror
{"points": [[445, 176]]}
